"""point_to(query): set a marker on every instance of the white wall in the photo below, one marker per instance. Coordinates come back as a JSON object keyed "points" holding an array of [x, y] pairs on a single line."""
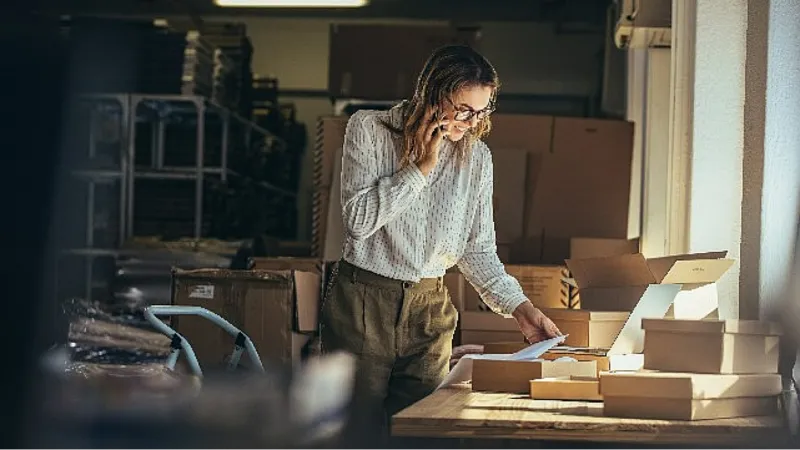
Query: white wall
{"points": [[781, 180], [531, 58], [744, 145]]}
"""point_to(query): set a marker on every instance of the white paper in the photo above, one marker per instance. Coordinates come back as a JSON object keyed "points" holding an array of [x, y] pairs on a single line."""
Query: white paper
{"points": [[463, 369]]}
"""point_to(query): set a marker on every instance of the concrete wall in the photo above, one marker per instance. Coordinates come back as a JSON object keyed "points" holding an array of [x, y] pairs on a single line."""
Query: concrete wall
{"points": [[531, 58]]}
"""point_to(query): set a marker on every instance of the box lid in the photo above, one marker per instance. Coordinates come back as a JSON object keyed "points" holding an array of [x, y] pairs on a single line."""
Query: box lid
{"points": [[228, 274], [635, 270], [688, 385], [712, 326], [312, 265]]}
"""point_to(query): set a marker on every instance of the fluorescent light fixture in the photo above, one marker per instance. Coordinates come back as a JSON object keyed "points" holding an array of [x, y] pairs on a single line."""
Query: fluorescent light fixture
{"points": [[292, 3]]}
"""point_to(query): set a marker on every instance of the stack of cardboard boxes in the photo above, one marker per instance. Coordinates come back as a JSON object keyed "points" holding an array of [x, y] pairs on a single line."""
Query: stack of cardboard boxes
{"points": [[699, 369], [621, 291]]}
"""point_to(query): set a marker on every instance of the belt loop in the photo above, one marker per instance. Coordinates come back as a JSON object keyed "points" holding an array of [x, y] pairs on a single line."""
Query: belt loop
{"points": [[440, 284], [355, 271]]}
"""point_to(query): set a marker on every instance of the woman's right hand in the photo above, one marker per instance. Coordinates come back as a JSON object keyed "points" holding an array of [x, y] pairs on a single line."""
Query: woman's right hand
{"points": [[431, 140]]}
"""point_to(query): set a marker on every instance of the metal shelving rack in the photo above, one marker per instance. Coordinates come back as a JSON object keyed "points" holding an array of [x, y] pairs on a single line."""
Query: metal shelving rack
{"points": [[130, 111]]}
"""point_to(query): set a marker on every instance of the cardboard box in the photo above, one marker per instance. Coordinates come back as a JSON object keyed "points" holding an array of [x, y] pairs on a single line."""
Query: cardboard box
{"points": [[582, 247], [687, 396], [372, 73], [480, 327], [599, 356], [271, 307], [514, 377], [652, 301], [594, 329], [566, 388], [617, 283], [543, 285], [482, 337], [711, 346]]}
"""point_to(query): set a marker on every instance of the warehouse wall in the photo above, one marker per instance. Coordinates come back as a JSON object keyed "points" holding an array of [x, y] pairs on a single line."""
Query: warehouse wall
{"points": [[531, 58]]}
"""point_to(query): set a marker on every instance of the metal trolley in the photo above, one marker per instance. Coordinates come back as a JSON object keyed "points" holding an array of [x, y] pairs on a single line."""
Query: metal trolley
{"points": [[242, 342]]}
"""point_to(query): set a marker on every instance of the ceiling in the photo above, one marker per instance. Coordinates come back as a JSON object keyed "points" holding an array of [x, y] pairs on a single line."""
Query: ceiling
{"points": [[588, 12]]}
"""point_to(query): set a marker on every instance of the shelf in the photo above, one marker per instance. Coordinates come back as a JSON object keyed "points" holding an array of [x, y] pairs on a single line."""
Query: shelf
{"points": [[97, 173], [165, 105], [179, 173]]}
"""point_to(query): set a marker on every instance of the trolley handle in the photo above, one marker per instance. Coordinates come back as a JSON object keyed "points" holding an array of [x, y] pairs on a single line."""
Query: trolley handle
{"points": [[242, 341]]}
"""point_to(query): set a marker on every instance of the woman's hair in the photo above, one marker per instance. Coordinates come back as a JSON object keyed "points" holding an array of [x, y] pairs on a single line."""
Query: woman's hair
{"points": [[447, 70]]}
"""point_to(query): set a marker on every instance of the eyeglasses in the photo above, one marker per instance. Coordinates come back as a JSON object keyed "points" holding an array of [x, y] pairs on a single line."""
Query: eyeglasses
{"points": [[467, 115]]}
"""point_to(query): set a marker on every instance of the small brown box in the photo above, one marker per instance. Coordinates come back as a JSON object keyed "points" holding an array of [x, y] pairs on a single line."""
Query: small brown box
{"points": [[688, 396], [567, 388], [514, 377], [594, 329], [711, 346]]}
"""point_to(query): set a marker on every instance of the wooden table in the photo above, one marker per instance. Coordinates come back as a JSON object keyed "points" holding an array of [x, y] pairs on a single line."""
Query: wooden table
{"points": [[457, 412]]}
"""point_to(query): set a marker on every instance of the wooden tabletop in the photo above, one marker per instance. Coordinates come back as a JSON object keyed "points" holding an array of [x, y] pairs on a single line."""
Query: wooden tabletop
{"points": [[457, 412]]}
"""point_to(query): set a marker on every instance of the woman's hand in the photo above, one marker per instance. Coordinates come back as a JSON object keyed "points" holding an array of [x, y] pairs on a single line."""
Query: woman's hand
{"points": [[431, 140], [535, 326]]}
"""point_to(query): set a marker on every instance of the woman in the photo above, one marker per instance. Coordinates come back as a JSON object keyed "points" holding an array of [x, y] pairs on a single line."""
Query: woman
{"points": [[416, 200]]}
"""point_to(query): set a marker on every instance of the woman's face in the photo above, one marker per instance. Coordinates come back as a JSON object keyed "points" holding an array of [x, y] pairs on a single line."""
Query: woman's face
{"points": [[459, 111]]}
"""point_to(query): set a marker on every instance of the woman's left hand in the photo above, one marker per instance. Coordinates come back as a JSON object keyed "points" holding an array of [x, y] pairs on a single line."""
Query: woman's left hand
{"points": [[535, 326]]}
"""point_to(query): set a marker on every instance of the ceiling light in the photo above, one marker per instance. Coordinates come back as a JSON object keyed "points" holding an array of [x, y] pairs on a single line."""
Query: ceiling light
{"points": [[292, 3]]}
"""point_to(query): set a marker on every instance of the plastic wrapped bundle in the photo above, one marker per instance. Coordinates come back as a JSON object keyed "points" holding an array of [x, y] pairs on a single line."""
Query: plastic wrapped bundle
{"points": [[144, 407]]}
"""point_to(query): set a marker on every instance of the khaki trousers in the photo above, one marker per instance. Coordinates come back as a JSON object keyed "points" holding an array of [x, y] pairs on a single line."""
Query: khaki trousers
{"points": [[401, 334]]}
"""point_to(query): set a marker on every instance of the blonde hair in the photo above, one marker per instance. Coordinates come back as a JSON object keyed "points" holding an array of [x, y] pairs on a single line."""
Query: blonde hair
{"points": [[448, 70]]}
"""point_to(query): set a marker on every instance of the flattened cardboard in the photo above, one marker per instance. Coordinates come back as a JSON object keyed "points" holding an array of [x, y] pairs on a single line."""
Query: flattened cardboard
{"points": [[711, 346], [508, 200], [525, 132], [584, 185], [514, 377], [566, 388]]}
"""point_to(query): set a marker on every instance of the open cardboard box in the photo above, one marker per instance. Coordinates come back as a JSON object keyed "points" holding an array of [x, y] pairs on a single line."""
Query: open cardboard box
{"points": [[648, 288], [514, 377], [617, 283]]}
